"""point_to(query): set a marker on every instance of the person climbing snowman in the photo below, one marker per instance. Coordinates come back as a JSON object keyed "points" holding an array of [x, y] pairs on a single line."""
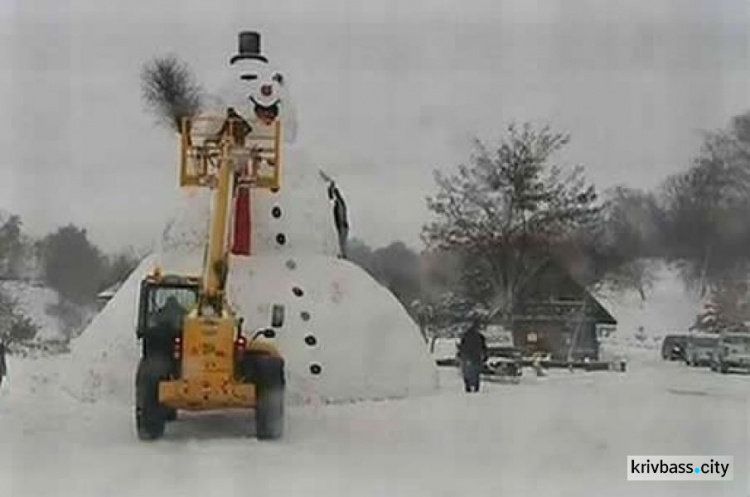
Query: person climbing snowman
{"points": [[340, 216]]}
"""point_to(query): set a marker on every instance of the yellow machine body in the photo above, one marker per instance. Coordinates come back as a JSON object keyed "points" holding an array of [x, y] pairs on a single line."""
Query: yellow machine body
{"points": [[207, 363], [208, 355], [208, 366]]}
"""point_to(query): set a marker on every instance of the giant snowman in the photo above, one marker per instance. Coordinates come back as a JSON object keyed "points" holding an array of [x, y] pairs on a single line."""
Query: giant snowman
{"points": [[344, 337]]}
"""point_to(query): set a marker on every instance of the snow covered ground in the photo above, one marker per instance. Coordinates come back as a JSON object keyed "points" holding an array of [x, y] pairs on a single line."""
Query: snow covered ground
{"points": [[567, 434], [564, 435]]}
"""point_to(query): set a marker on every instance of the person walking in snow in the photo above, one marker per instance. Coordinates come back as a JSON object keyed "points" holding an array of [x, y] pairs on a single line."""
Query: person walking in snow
{"points": [[339, 217], [472, 352], [3, 364]]}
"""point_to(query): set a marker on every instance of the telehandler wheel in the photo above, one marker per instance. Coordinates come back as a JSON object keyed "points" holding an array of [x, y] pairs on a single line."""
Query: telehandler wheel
{"points": [[150, 416], [269, 408]]}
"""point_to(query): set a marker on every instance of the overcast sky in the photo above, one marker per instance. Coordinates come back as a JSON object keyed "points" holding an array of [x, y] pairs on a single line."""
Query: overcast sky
{"points": [[385, 93]]}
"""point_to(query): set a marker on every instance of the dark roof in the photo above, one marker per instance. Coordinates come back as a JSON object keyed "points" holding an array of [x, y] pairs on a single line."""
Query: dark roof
{"points": [[601, 314]]}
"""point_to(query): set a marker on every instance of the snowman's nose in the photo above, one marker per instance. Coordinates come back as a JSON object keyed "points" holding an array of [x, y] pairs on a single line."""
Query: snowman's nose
{"points": [[266, 90]]}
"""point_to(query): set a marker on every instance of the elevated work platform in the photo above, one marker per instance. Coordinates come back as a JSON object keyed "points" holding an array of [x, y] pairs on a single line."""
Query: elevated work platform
{"points": [[254, 149]]}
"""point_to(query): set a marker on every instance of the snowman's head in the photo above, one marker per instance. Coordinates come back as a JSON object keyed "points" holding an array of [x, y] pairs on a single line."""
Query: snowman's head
{"points": [[259, 86]]}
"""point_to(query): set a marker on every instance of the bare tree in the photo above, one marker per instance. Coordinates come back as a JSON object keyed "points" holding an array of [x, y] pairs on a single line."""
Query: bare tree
{"points": [[707, 210], [170, 90], [505, 211], [615, 253]]}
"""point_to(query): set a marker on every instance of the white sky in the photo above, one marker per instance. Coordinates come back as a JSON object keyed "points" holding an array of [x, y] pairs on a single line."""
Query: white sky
{"points": [[385, 93]]}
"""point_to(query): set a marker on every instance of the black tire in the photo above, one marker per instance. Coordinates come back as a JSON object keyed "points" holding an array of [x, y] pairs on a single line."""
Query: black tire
{"points": [[171, 415], [150, 415], [269, 408], [723, 368]]}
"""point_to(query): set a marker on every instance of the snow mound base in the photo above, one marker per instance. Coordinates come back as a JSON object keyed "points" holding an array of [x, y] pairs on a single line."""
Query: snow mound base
{"points": [[346, 337]]}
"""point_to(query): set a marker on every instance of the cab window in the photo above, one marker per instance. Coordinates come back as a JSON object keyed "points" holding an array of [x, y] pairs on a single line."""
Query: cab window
{"points": [[169, 303]]}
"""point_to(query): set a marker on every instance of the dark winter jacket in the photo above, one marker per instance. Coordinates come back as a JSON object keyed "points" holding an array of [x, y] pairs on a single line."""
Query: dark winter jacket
{"points": [[239, 126], [340, 216], [472, 347], [3, 366]]}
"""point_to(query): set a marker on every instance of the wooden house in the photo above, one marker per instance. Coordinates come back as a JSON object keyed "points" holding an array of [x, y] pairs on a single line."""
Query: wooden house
{"points": [[555, 314]]}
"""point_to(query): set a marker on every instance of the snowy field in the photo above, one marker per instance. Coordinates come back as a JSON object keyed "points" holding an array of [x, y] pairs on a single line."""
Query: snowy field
{"points": [[564, 435]]}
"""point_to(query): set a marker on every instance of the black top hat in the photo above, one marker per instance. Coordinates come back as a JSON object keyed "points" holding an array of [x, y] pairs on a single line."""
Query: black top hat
{"points": [[249, 47]]}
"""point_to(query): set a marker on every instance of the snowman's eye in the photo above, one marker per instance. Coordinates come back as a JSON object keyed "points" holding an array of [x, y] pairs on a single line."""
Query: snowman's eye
{"points": [[278, 78], [248, 77]]}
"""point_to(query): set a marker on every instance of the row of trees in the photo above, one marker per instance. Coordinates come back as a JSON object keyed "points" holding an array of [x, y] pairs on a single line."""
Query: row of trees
{"points": [[65, 260]]}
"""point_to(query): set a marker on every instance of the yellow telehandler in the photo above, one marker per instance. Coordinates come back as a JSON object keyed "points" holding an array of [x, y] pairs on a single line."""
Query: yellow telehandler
{"points": [[195, 356]]}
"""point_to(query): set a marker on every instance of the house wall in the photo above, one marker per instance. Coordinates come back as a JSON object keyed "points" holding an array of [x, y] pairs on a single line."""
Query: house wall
{"points": [[550, 306], [555, 337]]}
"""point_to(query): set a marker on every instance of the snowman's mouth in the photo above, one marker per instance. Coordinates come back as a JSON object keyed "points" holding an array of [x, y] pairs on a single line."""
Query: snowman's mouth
{"points": [[266, 113], [273, 104]]}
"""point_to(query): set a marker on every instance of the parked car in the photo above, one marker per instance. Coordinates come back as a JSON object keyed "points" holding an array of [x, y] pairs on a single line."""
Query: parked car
{"points": [[732, 352], [700, 349], [673, 347], [505, 362]]}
